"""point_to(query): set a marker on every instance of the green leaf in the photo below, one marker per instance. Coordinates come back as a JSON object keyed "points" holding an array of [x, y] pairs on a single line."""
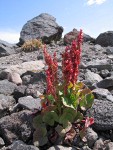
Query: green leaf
{"points": [[51, 98], [89, 99], [50, 118], [66, 102], [60, 93], [60, 130], [79, 117], [37, 121]]}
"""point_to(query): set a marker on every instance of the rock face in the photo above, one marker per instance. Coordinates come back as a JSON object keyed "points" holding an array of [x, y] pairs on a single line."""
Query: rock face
{"points": [[43, 26], [105, 39]]}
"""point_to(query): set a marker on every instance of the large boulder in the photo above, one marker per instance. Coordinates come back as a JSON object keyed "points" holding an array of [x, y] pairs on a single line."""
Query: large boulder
{"points": [[69, 37], [105, 39], [43, 26]]}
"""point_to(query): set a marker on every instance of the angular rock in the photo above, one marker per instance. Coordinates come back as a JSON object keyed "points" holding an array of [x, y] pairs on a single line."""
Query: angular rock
{"points": [[18, 126], [109, 50], [109, 146], [91, 137], [6, 104], [43, 26], [105, 39], [19, 91], [92, 77], [15, 78], [105, 83], [69, 37], [7, 87], [100, 64], [30, 103], [104, 73], [19, 145], [102, 112], [33, 66], [6, 49], [99, 144]]}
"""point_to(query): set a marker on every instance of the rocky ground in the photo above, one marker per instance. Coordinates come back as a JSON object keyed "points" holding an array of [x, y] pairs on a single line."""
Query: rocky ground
{"points": [[22, 79]]}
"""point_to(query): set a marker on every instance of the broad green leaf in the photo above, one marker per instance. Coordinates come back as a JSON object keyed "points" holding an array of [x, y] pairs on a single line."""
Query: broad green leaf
{"points": [[60, 130], [89, 99], [67, 102], [50, 118], [60, 93], [79, 117], [37, 121], [70, 85], [51, 98]]}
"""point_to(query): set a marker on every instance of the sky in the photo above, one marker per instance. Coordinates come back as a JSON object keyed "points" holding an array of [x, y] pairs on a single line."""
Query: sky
{"points": [[92, 16]]}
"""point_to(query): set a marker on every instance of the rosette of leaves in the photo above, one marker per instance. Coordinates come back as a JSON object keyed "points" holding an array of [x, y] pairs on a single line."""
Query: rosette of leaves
{"points": [[65, 114]]}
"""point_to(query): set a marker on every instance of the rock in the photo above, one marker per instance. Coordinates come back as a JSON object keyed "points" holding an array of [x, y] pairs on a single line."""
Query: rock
{"points": [[105, 73], [99, 144], [99, 64], [19, 145], [6, 49], [101, 93], [33, 66], [97, 48], [102, 112], [18, 126], [85, 148], [105, 83], [58, 147], [105, 39], [43, 26], [30, 103], [1, 142], [69, 37], [6, 104], [33, 88], [91, 137], [109, 50], [19, 91], [109, 146], [6, 87], [92, 77], [15, 78]]}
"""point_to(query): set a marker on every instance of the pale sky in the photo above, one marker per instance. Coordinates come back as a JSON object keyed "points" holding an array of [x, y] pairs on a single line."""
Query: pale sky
{"points": [[93, 16]]}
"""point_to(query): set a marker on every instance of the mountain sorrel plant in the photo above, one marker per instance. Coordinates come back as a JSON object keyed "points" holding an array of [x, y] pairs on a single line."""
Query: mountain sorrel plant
{"points": [[64, 104]]}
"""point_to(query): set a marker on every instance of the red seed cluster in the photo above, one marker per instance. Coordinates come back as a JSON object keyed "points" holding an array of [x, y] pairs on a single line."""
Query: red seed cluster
{"points": [[71, 61]]}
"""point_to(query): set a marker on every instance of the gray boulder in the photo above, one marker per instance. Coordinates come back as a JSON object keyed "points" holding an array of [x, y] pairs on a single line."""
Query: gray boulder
{"points": [[43, 26], [102, 112], [105, 39], [18, 126], [6, 49]]}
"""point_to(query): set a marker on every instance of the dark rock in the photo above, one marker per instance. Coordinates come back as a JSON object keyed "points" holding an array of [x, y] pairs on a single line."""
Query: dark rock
{"points": [[99, 64], [69, 37], [91, 137], [17, 126], [109, 50], [6, 104], [105, 83], [105, 73], [30, 103], [19, 91], [102, 112], [105, 39], [6, 49], [19, 145], [7, 87], [43, 26]]}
